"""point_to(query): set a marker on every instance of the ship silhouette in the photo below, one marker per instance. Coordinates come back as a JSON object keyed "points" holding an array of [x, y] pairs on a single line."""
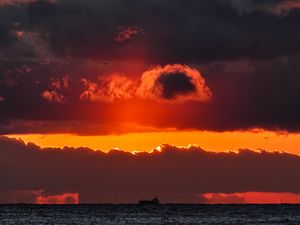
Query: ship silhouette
{"points": [[154, 201]]}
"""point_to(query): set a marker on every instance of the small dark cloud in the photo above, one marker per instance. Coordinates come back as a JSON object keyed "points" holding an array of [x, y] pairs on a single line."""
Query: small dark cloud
{"points": [[125, 33], [174, 84]]}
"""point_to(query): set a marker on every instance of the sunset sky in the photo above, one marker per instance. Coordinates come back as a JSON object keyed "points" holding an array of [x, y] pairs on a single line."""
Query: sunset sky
{"points": [[115, 100]]}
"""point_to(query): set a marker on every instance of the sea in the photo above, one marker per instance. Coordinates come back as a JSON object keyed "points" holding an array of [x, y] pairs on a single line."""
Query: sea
{"points": [[143, 214]]}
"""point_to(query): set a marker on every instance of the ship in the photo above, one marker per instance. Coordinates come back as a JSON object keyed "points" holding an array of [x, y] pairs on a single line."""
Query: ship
{"points": [[153, 201]]}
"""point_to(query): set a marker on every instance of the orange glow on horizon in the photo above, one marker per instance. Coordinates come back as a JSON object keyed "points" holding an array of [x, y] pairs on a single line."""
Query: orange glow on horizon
{"points": [[253, 198], [210, 141], [66, 198]]}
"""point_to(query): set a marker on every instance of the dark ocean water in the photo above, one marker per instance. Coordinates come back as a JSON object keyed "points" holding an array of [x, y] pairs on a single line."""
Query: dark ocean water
{"points": [[162, 214]]}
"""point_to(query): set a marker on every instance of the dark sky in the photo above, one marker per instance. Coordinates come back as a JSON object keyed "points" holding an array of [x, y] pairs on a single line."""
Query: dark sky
{"points": [[59, 61]]}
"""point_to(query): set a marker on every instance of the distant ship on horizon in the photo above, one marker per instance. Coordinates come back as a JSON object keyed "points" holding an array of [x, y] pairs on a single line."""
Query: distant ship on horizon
{"points": [[154, 201]]}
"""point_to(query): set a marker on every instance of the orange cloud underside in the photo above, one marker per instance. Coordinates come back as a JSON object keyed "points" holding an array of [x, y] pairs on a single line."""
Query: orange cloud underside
{"points": [[212, 141], [37, 197], [253, 198], [210, 198], [66, 198]]}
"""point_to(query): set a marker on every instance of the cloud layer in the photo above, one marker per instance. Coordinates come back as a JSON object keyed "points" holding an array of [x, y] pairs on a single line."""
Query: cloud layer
{"points": [[199, 31], [175, 174]]}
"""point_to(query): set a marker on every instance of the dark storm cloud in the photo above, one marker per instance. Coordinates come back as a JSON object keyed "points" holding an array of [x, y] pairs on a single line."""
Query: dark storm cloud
{"points": [[265, 97], [174, 31], [174, 173], [45, 41], [277, 7]]}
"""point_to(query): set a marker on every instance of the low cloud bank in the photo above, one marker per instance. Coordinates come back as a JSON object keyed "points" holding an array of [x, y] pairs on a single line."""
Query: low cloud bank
{"points": [[174, 174]]}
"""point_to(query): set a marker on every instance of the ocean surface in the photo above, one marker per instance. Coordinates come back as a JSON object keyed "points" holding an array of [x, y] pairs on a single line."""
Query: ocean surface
{"points": [[161, 214]]}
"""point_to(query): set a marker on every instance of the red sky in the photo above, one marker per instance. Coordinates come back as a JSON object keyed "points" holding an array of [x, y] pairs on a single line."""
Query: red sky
{"points": [[200, 93]]}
